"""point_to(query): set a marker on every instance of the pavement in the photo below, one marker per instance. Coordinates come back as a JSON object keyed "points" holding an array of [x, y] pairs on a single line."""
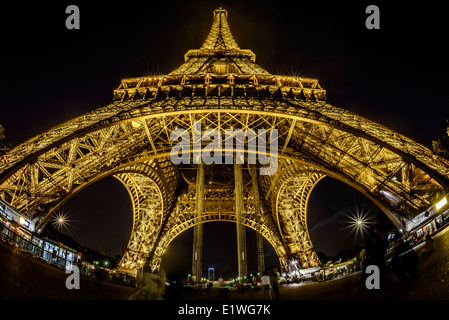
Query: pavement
{"points": [[23, 277]]}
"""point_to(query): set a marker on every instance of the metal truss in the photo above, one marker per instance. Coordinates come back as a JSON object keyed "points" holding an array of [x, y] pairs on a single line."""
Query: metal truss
{"points": [[219, 205], [222, 87], [287, 193], [150, 185], [147, 218], [292, 216]]}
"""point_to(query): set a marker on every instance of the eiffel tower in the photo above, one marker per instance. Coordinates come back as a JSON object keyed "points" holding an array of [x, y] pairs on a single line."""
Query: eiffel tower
{"points": [[220, 87]]}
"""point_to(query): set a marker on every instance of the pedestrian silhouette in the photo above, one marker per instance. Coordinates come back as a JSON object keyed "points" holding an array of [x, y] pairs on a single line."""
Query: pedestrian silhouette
{"points": [[429, 245], [405, 261], [275, 277], [362, 256], [266, 286], [153, 287]]}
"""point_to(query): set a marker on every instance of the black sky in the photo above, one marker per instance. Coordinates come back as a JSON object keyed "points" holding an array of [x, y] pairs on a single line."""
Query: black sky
{"points": [[395, 76]]}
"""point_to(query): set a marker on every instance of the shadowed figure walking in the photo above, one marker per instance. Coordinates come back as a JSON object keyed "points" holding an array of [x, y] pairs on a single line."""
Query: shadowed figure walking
{"points": [[275, 277], [153, 287], [266, 286]]}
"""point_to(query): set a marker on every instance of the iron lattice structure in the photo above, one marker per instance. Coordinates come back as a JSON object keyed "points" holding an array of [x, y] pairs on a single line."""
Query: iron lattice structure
{"points": [[221, 86]]}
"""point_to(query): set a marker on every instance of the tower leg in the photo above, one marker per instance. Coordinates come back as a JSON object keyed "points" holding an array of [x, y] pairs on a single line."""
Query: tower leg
{"points": [[259, 238], [241, 232], [197, 257]]}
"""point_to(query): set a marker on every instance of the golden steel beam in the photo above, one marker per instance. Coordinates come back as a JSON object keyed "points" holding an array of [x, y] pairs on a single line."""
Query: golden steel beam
{"points": [[197, 256], [242, 255], [257, 213]]}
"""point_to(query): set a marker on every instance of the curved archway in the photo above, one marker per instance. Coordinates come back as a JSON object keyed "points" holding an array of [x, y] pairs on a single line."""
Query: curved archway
{"points": [[334, 210], [183, 218], [218, 254], [372, 179], [369, 166], [91, 219]]}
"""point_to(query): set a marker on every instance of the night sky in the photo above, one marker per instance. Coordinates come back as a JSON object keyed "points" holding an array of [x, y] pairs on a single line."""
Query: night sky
{"points": [[395, 76]]}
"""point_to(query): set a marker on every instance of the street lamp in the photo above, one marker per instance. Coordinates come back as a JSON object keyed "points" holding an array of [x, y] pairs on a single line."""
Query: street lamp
{"points": [[359, 223], [60, 222]]}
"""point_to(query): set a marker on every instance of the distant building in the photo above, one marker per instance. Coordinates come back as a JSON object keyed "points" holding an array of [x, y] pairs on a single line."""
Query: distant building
{"points": [[211, 274]]}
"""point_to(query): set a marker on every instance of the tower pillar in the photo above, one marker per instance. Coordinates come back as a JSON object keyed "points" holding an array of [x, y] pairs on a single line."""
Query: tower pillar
{"points": [[197, 257], [257, 211], [241, 232]]}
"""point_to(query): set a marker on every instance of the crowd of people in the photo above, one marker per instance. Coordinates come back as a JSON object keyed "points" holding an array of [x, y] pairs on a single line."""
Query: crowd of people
{"points": [[151, 285]]}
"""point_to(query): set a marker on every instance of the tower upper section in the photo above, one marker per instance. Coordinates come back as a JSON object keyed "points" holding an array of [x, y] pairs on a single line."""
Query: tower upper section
{"points": [[220, 53], [220, 66], [220, 36]]}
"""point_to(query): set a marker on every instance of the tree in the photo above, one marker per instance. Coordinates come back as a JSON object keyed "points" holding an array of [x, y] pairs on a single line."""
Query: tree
{"points": [[4, 146], [441, 146]]}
